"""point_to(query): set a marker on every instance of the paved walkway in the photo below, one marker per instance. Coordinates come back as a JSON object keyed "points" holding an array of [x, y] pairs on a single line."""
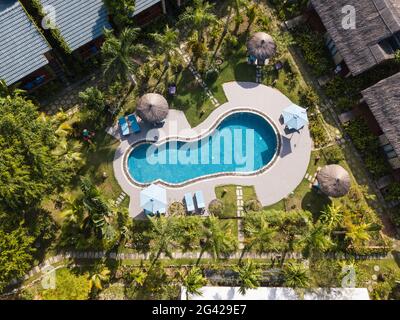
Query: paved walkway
{"points": [[240, 212], [271, 186]]}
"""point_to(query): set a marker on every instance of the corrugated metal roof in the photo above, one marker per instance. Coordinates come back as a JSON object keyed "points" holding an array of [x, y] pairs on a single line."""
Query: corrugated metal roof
{"points": [[142, 5], [22, 47], [79, 21]]}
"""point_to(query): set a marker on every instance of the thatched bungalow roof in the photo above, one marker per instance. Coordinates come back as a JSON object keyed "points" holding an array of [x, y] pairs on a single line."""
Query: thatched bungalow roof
{"points": [[152, 107], [384, 101], [376, 20], [262, 46], [334, 181]]}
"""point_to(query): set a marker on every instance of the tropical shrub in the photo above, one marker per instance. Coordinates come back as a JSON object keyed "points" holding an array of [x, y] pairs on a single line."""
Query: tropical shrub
{"points": [[15, 254], [368, 145], [176, 209], [318, 132], [68, 287], [114, 292], [309, 99], [393, 193], [216, 207], [252, 205], [29, 170], [287, 9], [333, 155], [315, 52], [93, 101]]}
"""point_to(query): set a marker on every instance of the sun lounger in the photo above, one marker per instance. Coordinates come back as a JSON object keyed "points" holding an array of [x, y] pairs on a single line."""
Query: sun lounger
{"points": [[133, 123], [189, 202], [123, 125], [200, 200]]}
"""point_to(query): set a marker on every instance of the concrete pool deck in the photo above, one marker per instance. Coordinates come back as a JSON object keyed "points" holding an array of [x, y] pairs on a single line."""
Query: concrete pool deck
{"points": [[271, 186]]}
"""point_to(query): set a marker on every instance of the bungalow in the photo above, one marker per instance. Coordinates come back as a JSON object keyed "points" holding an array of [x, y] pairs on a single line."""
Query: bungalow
{"points": [[383, 99], [357, 48], [24, 53], [81, 24], [147, 10]]}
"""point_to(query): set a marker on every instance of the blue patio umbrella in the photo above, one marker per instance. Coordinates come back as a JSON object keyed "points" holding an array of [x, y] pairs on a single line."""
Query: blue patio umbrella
{"points": [[295, 117], [153, 199]]}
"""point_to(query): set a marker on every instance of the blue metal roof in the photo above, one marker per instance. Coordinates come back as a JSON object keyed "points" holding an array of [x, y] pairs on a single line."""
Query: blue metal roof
{"points": [[22, 47], [79, 21], [142, 5]]}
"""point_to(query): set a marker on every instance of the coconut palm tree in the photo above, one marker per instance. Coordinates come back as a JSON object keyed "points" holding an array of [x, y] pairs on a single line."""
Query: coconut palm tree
{"points": [[98, 276], [316, 240], [118, 54], [188, 232], [249, 275], [259, 235], [292, 226], [162, 237], [296, 276], [193, 280], [218, 238], [197, 18], [357, 234], [332, 217], [167, 45]]}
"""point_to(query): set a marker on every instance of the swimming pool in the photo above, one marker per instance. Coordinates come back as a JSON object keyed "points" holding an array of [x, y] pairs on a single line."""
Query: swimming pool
{"points": [[243, 142]]}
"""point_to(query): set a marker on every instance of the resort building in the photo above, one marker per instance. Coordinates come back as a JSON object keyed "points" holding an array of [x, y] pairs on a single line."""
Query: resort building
{"points": [[148, 10], [383, 99], [360, 34], [81, 24], [25, 54], [276, 293]]}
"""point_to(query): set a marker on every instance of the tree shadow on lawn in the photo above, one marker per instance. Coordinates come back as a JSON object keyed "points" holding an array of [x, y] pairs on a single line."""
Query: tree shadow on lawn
{"points": [[315, 203]]}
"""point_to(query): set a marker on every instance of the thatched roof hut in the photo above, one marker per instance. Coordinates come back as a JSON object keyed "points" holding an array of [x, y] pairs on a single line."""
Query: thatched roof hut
{"points": [[262, 46], [152, 107], [383, 100], [334, 181], [365, 46]]}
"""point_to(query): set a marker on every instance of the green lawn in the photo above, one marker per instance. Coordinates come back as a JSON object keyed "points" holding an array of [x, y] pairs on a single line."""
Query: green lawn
{"points": [[191, 99], [229, 198]]}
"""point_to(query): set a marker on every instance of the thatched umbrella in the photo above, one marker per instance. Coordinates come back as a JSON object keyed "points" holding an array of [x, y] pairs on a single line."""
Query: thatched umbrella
{"points": [[261, 46], [334, 181], [152, 107]]}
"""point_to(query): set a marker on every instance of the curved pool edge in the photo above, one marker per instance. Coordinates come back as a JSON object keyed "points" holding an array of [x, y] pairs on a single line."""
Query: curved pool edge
{"points": [[206, 133], [287, 173]]}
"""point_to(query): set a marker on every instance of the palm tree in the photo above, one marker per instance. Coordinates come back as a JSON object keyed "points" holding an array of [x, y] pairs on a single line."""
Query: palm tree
{"points": [[357, 234], [119, 53], [259, 235], [98, 276], [237, 4], [198, 18], [193, 280], [188, 232], [316, 240], [167, 45], [249, 275], [8, 91], [218, 238], [332, 217], [163, 237], [292, 226], [296, 276]]}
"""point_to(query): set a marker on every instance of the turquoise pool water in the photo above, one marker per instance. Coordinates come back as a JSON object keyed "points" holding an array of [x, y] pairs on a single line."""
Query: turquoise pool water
{"points": [[243, 142]]}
